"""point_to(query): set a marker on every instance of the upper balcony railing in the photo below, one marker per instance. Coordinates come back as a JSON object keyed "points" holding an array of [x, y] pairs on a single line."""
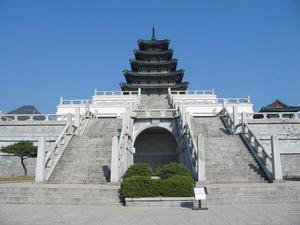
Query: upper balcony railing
{"points": [[193, 92], [32, 117], [273, 115], [75, 101], [234, 100], [114, 93]]}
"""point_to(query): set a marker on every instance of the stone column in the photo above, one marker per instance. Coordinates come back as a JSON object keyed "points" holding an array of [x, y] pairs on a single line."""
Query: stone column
{"points": [[276, 162], [114, 168], [40, 161], [201, 159]]}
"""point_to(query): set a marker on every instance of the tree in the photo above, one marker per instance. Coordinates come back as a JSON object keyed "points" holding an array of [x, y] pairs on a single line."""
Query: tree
{"points": [[23, 150]]}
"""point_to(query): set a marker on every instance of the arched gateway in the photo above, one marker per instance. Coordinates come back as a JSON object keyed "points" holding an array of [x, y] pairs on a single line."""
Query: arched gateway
{"points": [[155, 146]]}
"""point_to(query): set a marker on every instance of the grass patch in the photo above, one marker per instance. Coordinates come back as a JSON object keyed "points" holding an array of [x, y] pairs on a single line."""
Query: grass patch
{"points": [[19, 179]]}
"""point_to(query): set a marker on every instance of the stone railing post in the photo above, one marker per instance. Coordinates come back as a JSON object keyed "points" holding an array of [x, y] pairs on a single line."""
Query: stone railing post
{"points": [[40, 161], [235, 114], [276, 162], [77, 117], [86, 106], [201, 159], [114, 169]]}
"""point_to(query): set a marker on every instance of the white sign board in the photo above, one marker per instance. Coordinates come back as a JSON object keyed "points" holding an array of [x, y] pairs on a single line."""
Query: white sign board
{"points": [[200, 193]]}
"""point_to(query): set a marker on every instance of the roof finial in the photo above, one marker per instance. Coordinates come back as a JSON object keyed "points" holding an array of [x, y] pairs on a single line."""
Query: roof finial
{"points": [[153, 33]]}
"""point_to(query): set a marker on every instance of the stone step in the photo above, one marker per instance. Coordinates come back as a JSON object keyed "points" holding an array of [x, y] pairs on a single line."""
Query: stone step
{"points": [[253, 193], [59, 194], [227, 159]]}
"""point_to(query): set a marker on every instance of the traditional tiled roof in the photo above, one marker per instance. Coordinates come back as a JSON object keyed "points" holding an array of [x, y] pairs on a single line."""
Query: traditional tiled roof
{"points": [[279, 106]]}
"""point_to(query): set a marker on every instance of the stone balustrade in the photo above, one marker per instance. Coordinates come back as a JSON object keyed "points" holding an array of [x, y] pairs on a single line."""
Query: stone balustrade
{"points": [[155, 113], [112, 93], [32, 117], [75, 101], [262, 156], [273, 115], [193, 92], [234, 100]]}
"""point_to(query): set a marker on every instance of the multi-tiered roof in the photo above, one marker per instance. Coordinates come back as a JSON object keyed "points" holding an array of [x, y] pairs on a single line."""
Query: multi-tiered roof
{"points": [[153, 68]]}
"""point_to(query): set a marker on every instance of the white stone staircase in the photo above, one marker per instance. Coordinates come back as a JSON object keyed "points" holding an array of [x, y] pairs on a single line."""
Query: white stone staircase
{"points": [[87, 158], [227, 159]]}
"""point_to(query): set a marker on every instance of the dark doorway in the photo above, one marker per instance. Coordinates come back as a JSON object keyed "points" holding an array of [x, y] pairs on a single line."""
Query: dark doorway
{"points": [[155, 146]]}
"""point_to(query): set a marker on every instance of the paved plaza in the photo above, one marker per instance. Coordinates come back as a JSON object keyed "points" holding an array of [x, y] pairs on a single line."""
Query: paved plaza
{"points": [[26, 214]]}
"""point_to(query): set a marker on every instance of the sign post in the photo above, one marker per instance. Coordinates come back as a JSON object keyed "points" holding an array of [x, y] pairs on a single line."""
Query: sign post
{"points": [[200, 194]]}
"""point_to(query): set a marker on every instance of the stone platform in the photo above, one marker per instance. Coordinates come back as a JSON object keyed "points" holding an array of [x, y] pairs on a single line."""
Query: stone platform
{"points": [[254, 214]]}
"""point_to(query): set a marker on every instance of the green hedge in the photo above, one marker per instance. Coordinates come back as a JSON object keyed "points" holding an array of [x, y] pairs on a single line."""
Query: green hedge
{"points": [[139, 186], [138, 169], [173, 169], [176, 181], [177, 186]]}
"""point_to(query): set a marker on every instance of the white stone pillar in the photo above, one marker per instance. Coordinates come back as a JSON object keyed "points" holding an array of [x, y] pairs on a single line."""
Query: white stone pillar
{"points": [[86, 107], [114, 169], [276, 162], [235, 114], [77, 117], [40, 161], [201, 159]]}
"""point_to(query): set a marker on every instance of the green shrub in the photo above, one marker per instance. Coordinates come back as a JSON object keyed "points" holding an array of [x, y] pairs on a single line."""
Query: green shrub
{"points": [[138, 169], [139, 186], [173, 169], [177, 186]]}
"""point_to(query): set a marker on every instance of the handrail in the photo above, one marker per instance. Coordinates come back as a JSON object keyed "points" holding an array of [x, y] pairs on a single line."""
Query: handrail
{"points": [[125, 142], [113, 93], [57, 142], [83, 123], [193, 92], [259, 152], [228, 120], [273, 115], [31, 117], [187, 133], [257, 149], [54, 155]]}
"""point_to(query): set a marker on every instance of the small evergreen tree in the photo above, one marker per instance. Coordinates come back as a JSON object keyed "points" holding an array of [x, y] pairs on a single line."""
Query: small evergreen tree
{"points": [[22, 149]]}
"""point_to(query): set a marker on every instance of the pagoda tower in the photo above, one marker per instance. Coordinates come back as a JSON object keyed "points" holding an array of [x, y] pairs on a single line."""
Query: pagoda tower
{"points": [[153, 70]]}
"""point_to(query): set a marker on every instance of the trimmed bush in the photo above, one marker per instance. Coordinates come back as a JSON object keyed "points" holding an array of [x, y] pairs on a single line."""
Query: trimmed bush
{"points": [[138, 169], [173, 169], [177, 186], [139, 186]]}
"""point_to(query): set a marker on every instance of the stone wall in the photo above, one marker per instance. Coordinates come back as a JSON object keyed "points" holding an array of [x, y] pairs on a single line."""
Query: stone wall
{"points": [[11, 166], [290, 164], [288, 143], [12, 132]]}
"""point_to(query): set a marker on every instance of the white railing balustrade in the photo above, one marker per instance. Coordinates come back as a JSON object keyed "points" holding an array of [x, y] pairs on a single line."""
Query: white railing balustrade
{"points": [[53, 156], [229, 123], [75, 101], [155, 113], [273, 115], [57, 150], [32, 117], [112, 93], [259, 152], [192, 92], [125, 143], [225, 101]]}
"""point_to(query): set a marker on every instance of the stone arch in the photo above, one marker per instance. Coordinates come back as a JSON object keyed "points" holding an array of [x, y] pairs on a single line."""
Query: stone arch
{"points": [[156, 146]]}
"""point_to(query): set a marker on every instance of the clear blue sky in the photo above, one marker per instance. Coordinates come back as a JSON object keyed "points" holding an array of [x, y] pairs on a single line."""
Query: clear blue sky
{"points": [[59, 48]]}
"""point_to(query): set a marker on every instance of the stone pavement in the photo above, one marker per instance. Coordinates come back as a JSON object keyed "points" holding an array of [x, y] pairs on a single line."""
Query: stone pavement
{"points": [[27, 214]]}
